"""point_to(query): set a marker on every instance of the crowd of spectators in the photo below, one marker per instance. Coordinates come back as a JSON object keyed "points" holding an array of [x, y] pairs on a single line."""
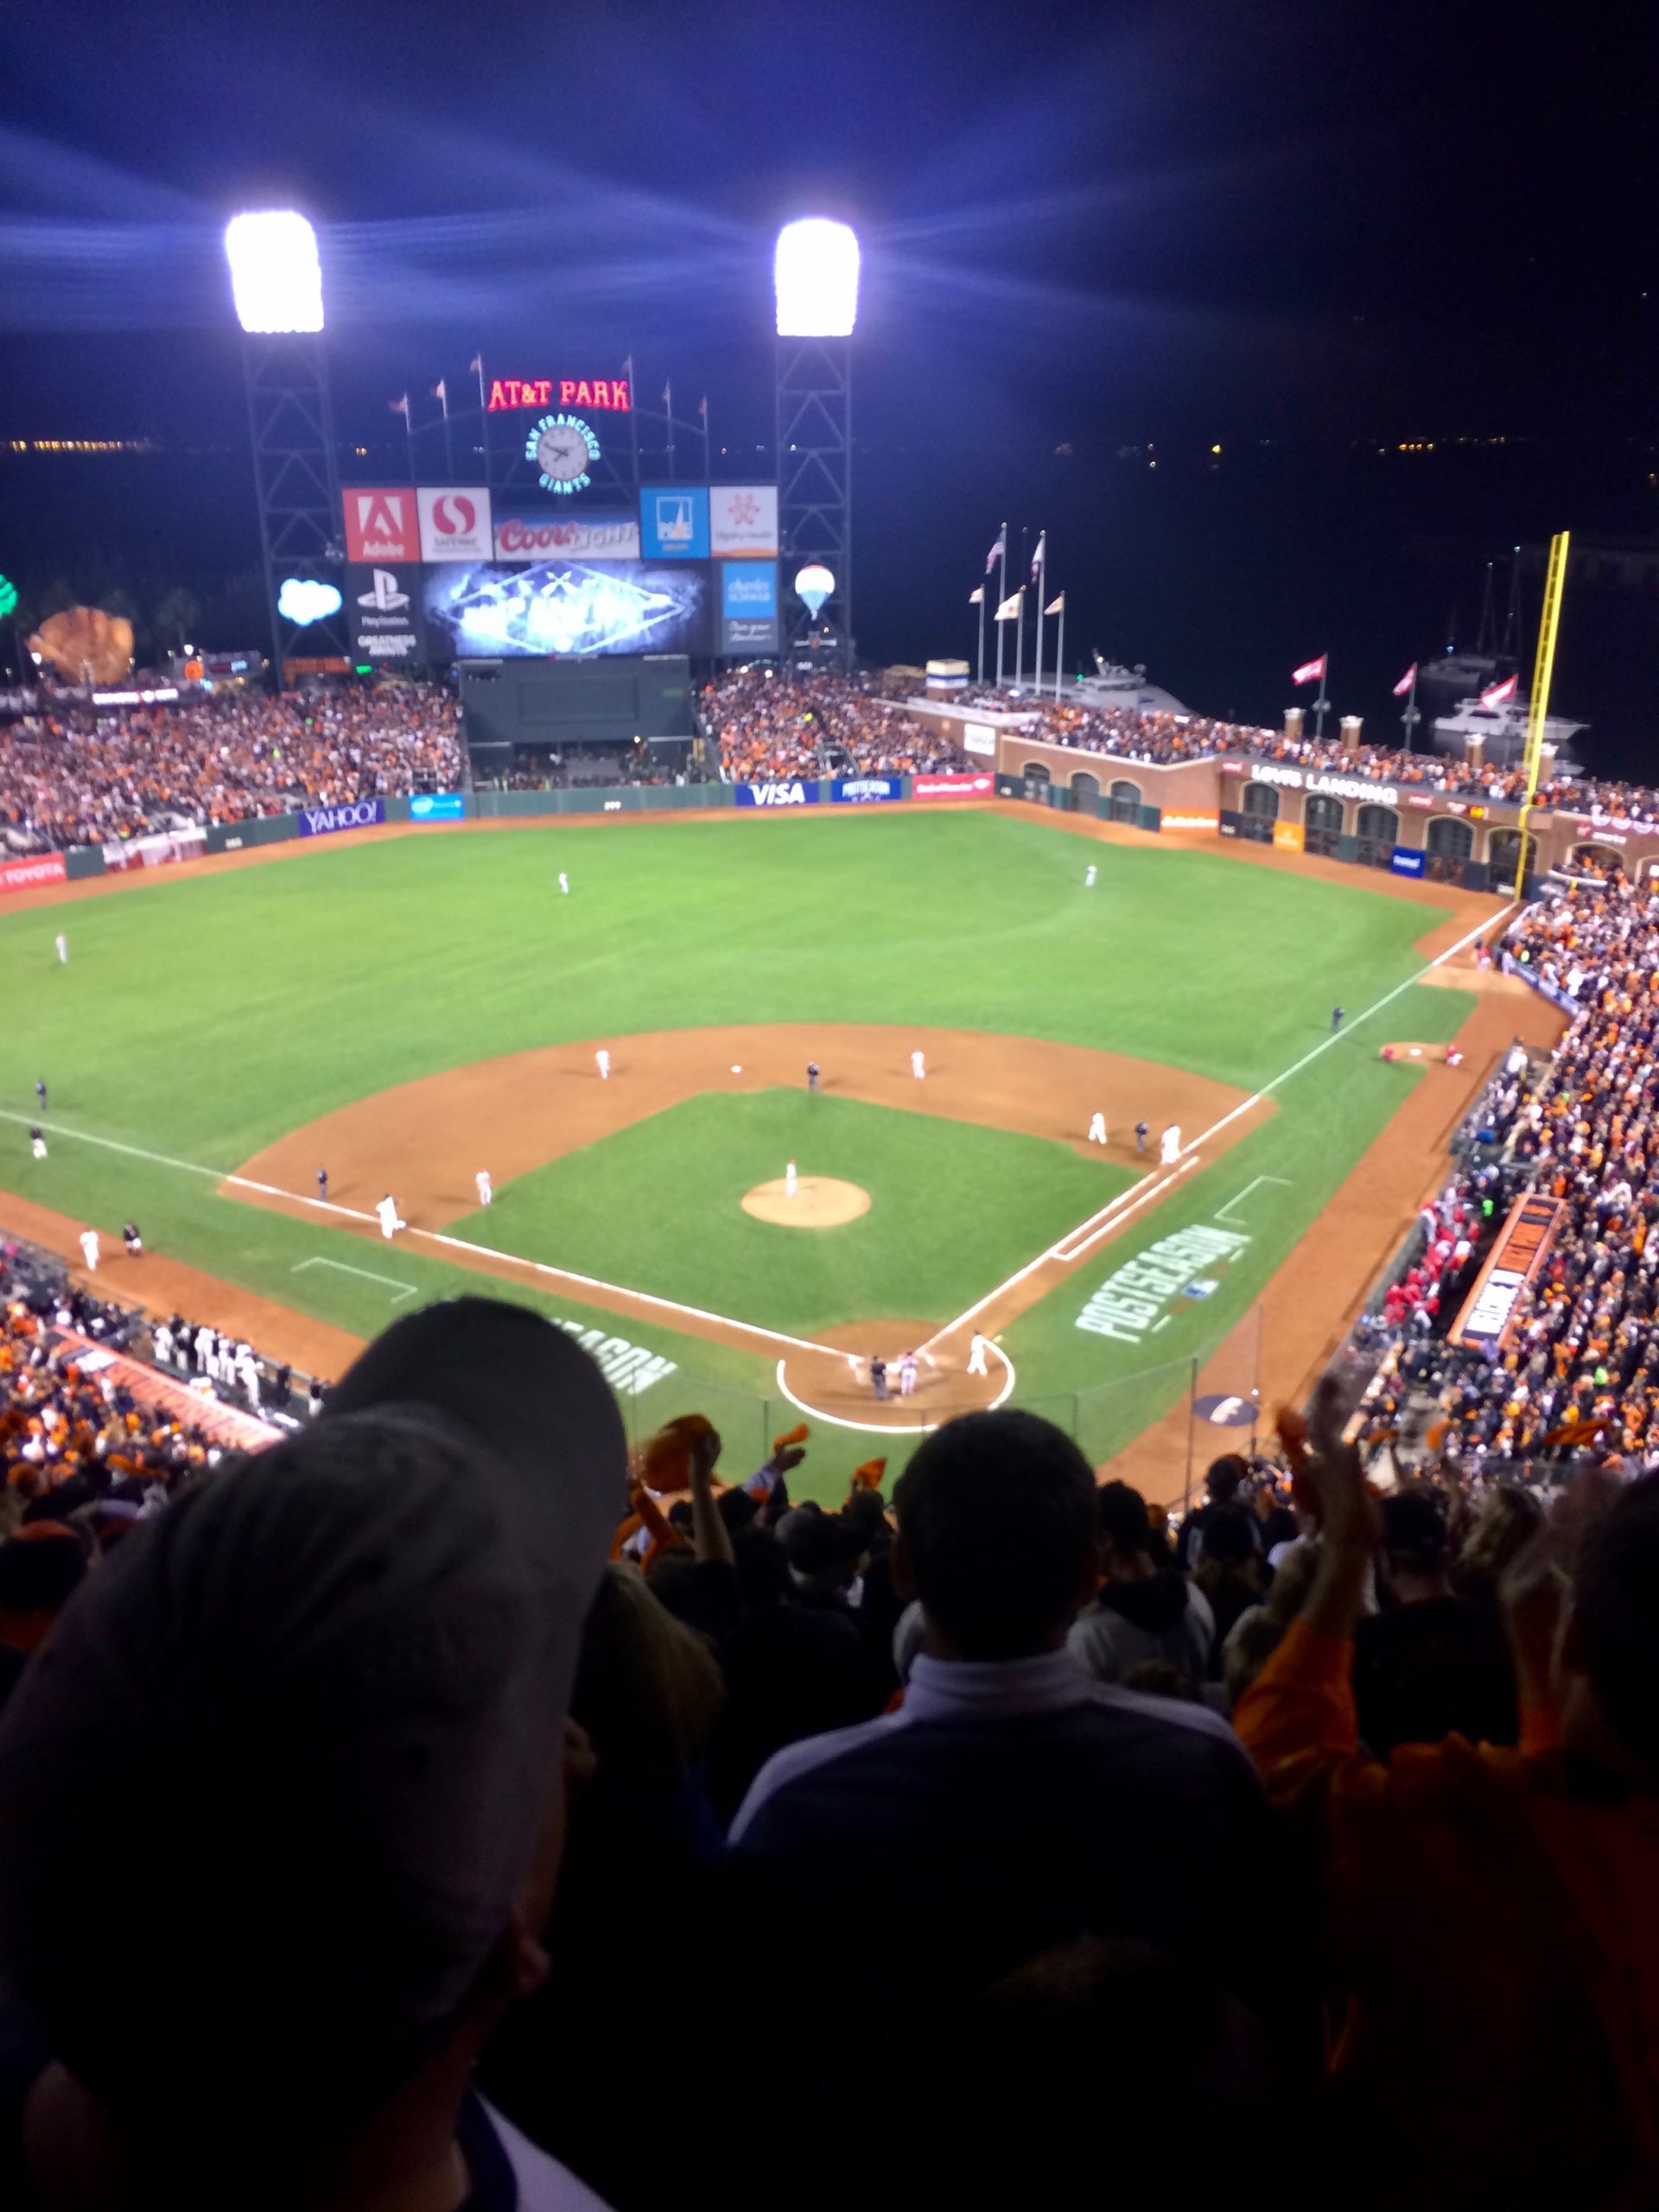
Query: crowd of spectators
{"points": [[771, 726], [87, 776], [519, 1792]]}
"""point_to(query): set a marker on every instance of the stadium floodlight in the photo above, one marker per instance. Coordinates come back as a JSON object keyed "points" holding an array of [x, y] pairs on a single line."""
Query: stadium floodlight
{"points": [[815, 274], [813, 583], [276, 276], [303, 601]]}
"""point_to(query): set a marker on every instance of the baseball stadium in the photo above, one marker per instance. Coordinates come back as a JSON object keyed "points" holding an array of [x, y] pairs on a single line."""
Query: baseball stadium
{"points": [[663, 1285]]}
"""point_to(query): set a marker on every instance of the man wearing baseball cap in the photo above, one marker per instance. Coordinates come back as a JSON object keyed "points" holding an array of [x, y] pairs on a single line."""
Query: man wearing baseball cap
{"points": [[282, 1800]]}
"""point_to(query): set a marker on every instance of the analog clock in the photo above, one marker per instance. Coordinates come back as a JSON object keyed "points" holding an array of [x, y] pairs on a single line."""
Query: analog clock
{"points": [[562, 447]]}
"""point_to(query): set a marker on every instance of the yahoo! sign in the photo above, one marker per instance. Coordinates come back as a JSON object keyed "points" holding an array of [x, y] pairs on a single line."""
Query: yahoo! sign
{"points": [[324, 821]]}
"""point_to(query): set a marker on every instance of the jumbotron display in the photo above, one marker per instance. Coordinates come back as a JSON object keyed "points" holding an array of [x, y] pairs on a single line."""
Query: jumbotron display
{"points": [[485, 611]]}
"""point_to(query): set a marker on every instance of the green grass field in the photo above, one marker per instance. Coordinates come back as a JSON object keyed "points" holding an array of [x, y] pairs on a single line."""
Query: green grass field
{"points": [[202, 1017]]}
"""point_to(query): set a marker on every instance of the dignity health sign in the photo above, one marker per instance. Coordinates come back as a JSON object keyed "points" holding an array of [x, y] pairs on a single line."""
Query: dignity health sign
{"points": [[324, 821]]}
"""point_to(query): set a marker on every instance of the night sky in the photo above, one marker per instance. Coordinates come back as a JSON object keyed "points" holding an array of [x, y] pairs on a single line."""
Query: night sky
{"points": [[1316, 226]]}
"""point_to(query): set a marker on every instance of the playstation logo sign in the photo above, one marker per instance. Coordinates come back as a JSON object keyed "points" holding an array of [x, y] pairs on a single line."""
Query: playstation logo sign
{"points": [[384, 595]]}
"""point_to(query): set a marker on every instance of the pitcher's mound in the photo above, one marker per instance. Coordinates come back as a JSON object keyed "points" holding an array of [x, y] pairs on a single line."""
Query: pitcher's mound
{"points": [[820, 1202]]}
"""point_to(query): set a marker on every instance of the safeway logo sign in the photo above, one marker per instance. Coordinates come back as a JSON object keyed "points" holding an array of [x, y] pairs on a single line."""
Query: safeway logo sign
{"points": [[380, 526], [796, 794], [454, 523]]}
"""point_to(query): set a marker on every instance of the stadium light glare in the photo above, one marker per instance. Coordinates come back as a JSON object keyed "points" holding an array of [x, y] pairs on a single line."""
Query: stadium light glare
{"points": [[815, 274], [276, 275]]}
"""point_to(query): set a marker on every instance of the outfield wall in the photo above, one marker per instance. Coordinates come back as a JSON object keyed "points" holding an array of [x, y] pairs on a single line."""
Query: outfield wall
{"points": [[1401, 829]]}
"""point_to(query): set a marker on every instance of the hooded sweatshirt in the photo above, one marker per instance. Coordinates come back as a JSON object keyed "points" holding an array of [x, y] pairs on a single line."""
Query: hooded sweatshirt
{"points": [[1165, 1618]]}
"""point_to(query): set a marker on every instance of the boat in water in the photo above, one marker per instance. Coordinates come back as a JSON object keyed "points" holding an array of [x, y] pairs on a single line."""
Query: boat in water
{"points": [[1502, 730], [1455, 689], [1112, 685]]}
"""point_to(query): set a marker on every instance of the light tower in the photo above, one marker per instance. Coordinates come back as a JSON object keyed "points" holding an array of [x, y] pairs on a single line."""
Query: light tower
{"points": [[816, 272], [276, 284]]}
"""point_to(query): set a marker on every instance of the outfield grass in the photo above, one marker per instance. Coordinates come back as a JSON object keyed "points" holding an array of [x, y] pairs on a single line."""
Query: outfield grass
{"points": [[950, 1203], [202, 1016]]}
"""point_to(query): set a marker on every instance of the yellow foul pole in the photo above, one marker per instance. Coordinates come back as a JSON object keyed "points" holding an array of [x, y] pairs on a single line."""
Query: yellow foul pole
{"points": [[1548, 624]]}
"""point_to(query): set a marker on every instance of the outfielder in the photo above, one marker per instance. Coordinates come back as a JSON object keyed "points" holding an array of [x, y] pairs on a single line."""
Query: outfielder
{"points": [[564, 883], [604, 1059], [63, 948], [790, 1179], [89, 1247], [387, 1210], [977, 1351], [37, 1142], [918, 1066], [1097, 1129], [1089, 878], [486, 1191]]}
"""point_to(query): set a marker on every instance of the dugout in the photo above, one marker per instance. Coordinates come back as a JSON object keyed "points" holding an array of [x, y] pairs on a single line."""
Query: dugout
{"points": [[598, 709]]}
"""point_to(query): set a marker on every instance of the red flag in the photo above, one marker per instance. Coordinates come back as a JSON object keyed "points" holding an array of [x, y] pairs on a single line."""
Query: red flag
{"points": [[1403, 686], [1311, 671], [1500, 693]]}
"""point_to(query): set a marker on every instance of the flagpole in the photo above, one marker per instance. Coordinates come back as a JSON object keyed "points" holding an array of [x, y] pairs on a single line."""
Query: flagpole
{"points": [[1321, 702], [979, 670], [1410, 718], [449, 449], [409, 433], [1020, 638], [1001, 595], [668, 410], [1042, 587], [708, 470], [1059, 651], [483, 417], [633, 419]]}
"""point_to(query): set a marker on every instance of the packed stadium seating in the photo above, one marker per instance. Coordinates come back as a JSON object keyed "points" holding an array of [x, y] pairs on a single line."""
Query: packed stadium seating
{"points": [[823, 725], [1315, 1823]]}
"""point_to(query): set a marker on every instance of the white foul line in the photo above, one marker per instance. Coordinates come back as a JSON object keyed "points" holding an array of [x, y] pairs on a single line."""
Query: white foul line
{"points": [[896, 1428], [404, 1289], [433, 1236], [1067, 1249], [1224, 1213]]}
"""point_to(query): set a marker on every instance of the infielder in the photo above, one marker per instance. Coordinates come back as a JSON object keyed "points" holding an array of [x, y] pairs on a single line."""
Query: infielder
{"points": [[564, 883], [89, 1246], [486, 1191], [811, 1075], [37, 1142], [1142, 1131], [1097, 1129], [1337, 1013], [132, 1240], [1089, 878], [387, 1210], [790, 1179], [322, 1185], [918, 1066], [604, 1059], [63, 948], [977, 1351], [1169, 1145], [40, 1091]]}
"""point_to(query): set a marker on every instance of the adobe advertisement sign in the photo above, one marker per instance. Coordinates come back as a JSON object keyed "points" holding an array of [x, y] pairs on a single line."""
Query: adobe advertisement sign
{"points": [[381, 525], [743, 521], [455, 523], [388, 626], [585, 537]]}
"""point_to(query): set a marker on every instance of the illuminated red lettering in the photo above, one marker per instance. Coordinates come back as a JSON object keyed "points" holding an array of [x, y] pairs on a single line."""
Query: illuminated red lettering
{"points": [[566, 393], [623, 399], [498, 395], [543, 392]]}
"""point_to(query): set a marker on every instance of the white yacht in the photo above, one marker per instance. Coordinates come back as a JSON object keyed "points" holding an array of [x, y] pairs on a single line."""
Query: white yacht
{"points": [[1503, 730]]}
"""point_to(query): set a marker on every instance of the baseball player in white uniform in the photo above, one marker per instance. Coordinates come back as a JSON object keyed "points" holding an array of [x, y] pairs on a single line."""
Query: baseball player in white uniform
{"points": [[387, 1210], [37, 1142], [790, 1179], [918, 1066], [564, 883], [1089, 877], [486, 1191], [907, 1375], [1169, 1145], [63, 948], [976, 1352], [604, 1059], [1097, 1129], [89, 1246]]}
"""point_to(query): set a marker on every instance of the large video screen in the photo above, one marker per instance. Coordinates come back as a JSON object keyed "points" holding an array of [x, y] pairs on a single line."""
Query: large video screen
{"points": [[485, 611]]}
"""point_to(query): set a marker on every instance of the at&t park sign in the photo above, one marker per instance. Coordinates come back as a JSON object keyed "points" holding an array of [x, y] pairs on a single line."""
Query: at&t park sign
{"points": [[1336, 787], [508, 392]]}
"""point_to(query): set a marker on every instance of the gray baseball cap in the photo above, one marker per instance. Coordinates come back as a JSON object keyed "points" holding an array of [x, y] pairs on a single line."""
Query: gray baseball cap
{"points": [[271, 1791]]}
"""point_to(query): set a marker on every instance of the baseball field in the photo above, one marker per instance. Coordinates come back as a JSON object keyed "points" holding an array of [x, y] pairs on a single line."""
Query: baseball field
{"points": [[410, 1009]]}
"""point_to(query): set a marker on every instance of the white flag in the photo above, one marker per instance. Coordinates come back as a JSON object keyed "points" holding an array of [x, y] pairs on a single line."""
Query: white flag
{"points": [[1056, 605], [1039, 558], [998, 550], [976, 597], [1009, 610]]}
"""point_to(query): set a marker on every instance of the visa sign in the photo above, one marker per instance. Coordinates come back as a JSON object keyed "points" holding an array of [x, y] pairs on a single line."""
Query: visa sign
{"points": [[795, 794]]}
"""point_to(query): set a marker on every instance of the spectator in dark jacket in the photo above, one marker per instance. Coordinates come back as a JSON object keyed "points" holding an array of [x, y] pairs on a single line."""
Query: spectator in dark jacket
{"points": [[1144, 1612]]}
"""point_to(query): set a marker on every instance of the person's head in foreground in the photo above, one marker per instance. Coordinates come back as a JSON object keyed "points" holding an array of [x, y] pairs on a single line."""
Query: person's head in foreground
{"points": [[311, 1721], [996, 1535]]}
